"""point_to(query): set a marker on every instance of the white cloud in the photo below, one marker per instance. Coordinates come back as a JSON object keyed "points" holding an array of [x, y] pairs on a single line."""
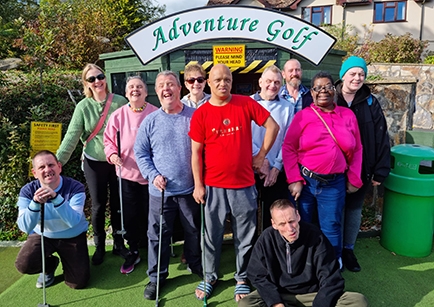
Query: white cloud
{"points": [[173, 6]]}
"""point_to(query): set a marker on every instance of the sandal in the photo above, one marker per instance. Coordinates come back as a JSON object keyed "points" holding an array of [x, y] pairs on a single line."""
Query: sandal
{"points": [[206, 288], [241, 289]]}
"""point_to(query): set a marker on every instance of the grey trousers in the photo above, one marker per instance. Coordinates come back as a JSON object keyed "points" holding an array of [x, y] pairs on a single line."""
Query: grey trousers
{"points": [[352, 299], [242, 206]]}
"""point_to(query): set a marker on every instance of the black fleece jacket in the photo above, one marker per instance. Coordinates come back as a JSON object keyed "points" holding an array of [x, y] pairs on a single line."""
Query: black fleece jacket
{"points": [[311, 267], [373, 133]]}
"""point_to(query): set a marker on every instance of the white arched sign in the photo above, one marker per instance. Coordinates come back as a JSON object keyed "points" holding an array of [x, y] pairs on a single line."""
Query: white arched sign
{"points": [[230, 22]]}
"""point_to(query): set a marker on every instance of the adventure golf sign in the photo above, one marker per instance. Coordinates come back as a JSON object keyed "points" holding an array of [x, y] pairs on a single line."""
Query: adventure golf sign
{"points": [[230, 22]]}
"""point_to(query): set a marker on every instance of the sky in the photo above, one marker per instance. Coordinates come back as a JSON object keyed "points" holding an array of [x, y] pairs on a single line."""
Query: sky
{"points": [[173, 6]]}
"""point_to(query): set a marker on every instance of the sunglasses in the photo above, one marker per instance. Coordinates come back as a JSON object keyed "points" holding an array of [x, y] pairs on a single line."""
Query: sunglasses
{"points": [[92, 79], [199, 80]]}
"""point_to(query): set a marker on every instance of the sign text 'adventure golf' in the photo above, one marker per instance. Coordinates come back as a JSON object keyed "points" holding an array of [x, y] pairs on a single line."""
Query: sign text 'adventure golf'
{"points": [[230, 22]]}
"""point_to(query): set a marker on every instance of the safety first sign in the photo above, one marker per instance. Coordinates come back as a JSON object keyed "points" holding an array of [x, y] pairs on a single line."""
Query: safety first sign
{"points": [[230, 55]]}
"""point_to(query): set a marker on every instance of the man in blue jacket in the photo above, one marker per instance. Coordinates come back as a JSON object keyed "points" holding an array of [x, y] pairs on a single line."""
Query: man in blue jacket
{"points": [[293, 264], [65, 224]]}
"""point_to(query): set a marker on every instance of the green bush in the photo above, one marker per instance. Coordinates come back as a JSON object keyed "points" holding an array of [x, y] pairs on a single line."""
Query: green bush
{"points": [[395, 49], [30, 97], [429, 59]]}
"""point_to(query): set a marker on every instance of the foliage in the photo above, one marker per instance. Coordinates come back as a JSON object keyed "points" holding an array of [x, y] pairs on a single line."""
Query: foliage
{"points": [[13, 14], [429, 59], [391, 49], [20, 103], [344, 39], [72, 33], [14, 160], [397, 49]]}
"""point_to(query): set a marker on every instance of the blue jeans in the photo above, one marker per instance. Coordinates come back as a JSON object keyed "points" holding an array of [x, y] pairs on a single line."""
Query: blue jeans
{"points": [[328, 200]]}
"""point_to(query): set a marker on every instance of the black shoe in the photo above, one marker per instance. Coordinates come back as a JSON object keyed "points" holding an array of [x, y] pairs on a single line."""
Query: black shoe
{"points": [[151, 291], [132, 259], [121, 251], [98, 256], [350, 260]]}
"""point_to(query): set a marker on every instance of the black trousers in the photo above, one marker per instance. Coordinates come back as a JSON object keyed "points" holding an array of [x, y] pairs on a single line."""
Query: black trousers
{"points": [[135, 207], [102, 182], [267, 195]]}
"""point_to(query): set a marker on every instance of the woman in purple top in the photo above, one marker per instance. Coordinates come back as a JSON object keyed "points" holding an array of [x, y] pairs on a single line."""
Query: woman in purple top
{"points": [[322, 156]]}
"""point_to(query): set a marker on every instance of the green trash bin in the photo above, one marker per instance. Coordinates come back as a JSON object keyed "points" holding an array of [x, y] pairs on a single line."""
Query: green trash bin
{"points": [[408, 207]]}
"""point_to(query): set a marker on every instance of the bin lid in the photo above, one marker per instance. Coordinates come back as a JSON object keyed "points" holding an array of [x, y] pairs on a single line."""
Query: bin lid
{"points": [[412, 160]]}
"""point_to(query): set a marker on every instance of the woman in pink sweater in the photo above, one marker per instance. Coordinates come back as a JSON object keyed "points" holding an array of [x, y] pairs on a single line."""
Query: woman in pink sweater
{"points": [[135, 198], [322, 156]]}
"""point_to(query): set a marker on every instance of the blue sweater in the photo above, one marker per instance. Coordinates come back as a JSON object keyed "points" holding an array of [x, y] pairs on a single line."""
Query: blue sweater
{"points": [[163, 147], [64, 216]]}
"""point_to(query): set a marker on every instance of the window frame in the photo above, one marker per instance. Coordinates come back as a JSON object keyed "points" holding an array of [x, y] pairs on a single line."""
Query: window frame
{"points": [[317, 10], [387, 6]]}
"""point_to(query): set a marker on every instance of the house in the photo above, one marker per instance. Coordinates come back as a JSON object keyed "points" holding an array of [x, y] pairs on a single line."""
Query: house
{"points": [[395, 17]]}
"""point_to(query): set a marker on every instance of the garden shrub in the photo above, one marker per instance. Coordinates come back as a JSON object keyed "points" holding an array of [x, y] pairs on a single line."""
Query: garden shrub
{"points": [[30, 97]]}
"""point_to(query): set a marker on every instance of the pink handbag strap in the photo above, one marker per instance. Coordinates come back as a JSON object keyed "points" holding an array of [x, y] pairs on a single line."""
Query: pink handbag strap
{"points": [[101, 119]]}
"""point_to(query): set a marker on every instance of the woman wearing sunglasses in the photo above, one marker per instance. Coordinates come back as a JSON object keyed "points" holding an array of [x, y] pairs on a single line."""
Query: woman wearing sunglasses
{"points": [[85, 126], [322, 157], [195, 77]]}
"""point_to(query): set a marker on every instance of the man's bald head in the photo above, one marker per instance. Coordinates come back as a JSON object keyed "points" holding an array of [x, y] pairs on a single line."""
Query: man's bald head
{"points": [[220, 82]]}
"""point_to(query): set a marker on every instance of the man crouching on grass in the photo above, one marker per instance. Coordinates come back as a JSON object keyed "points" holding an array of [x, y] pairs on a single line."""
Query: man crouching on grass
{"points": [[65, 224], [294, 264]]}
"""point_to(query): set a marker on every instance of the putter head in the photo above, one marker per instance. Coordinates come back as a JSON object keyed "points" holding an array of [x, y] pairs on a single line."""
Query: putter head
{"points": [[43, 305]]}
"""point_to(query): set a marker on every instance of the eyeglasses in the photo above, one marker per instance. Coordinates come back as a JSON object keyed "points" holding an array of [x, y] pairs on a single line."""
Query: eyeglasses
{"points": [[328, 88], [92, 79], [198, 79]]}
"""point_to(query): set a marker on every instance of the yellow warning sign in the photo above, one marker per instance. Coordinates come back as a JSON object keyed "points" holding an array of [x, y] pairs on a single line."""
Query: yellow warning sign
{"points": [[45, 136], [230, 55]]}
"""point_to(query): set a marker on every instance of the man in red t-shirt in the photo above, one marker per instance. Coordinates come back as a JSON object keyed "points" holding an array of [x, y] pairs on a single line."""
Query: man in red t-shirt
{"points": [[223, 170]]}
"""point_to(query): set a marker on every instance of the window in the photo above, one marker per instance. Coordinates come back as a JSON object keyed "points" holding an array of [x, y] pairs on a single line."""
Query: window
{"points": [[390, 11], [318, 15]]}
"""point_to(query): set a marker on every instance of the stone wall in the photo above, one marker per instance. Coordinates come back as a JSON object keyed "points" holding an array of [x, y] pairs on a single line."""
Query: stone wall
{"points": [[406, 94], [396, 76]]}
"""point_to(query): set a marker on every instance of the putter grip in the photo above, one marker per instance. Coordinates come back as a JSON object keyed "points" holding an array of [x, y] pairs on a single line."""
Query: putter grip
{"points": [[42, 217], [118, 139]]}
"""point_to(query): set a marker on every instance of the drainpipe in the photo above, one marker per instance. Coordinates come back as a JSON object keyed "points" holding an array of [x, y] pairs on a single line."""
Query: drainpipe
{"points": [[422, 19], [344, 22]]}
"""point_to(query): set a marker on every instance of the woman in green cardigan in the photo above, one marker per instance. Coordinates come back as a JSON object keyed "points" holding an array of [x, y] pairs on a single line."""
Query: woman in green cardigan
{"points": [[99, 174]]}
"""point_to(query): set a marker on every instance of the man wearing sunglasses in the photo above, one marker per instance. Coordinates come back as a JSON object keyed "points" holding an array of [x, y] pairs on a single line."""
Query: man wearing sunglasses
{"points": [[195, 77]]}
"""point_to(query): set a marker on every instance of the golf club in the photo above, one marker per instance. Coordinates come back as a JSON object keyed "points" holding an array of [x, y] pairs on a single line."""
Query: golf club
{"points": [[159, 248], [122, 231], [44, 304], [202, 218], [172, 253]]}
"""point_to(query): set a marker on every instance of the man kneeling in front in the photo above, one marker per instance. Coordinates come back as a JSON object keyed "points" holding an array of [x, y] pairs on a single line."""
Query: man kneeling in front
{"points": [[65, 224], [293, 264]]}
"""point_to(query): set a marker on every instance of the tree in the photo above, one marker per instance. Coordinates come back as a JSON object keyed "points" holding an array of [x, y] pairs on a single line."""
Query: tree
{"points": [[71, 33], [13, 13], [344, 39]]}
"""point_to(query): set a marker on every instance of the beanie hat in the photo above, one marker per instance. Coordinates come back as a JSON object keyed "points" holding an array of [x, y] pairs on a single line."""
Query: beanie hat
{"points": [[351, 62]]}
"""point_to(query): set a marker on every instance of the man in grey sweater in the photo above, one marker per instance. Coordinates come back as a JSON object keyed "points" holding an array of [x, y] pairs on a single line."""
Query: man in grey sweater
{"points": [[163, 154]]}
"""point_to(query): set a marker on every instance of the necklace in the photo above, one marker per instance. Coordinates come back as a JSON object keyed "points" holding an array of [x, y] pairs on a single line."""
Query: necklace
{"points": [[137, 110]]}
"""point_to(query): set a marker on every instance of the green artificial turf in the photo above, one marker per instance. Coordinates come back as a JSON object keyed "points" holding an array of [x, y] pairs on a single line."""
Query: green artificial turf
{"points": [[386, 280]]}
